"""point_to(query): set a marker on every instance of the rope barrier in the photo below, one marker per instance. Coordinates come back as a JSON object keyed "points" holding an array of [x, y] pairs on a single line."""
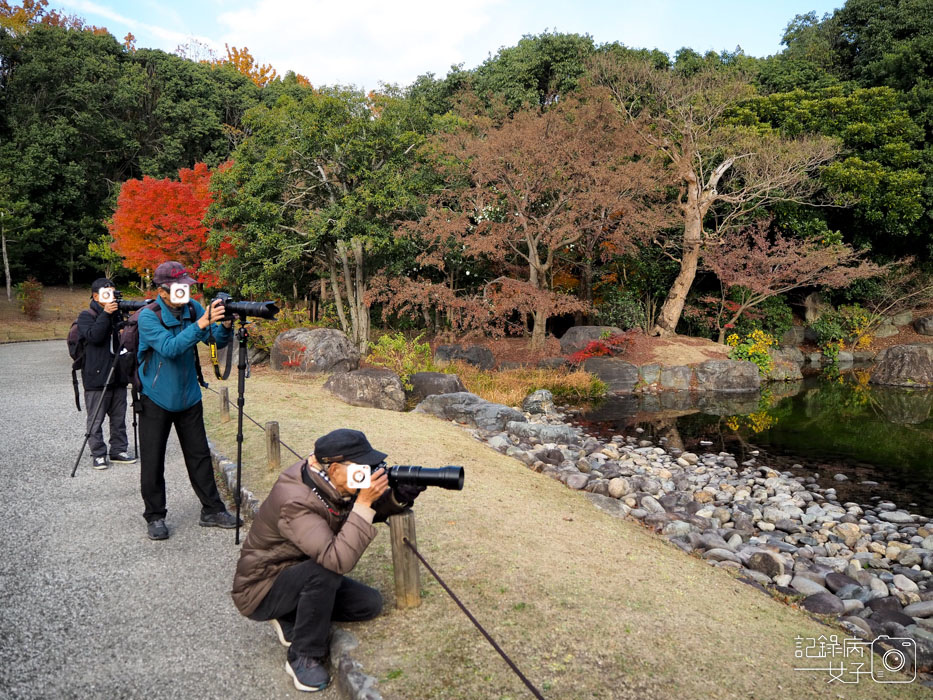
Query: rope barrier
{"points": [[534, 691], [261, 427]]}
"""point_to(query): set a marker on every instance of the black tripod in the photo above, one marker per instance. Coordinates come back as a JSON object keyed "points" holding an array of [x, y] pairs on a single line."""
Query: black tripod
{"points": [[100, 403], [242, 373]]}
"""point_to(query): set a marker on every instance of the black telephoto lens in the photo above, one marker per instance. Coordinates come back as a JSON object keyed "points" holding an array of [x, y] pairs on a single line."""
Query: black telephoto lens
{"points": [[130, 306], [450, 477]]}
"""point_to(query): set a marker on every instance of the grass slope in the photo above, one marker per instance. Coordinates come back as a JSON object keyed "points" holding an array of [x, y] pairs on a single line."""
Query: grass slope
{"points": [[587, 606]]}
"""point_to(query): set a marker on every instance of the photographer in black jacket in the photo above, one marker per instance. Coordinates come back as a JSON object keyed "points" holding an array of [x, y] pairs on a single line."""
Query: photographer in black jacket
{"points": [[97, 326]]}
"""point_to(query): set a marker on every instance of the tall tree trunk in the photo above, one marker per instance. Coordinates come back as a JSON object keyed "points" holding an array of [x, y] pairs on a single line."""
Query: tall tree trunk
{"points": [[6, 263], [537, 332], [355, 287], [335, 287]]}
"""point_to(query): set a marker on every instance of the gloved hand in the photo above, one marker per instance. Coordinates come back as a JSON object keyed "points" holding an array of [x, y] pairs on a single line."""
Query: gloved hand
{"points": [[407, 493]]}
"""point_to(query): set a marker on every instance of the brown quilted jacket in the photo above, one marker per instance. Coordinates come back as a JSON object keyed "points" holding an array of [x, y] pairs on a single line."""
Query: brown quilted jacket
{"points": [[293, 525]]}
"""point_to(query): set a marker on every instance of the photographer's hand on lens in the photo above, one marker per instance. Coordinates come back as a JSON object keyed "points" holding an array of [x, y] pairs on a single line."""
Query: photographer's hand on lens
{"points": [[407, 493], [378, 485], [109, 307]]}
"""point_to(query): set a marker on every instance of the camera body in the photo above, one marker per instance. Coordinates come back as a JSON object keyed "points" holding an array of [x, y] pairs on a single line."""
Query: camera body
{"points": [[262, 309]]}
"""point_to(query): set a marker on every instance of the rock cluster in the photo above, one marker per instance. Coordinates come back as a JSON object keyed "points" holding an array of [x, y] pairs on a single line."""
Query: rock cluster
{"points": [[870, 566]]}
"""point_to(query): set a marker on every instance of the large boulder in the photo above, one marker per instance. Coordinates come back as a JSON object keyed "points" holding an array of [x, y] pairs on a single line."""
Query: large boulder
{"points": [[545, 433], [905, 365], [578, 337], [314, 350], [619, 376], [924, 325], [727, 376], [676, 378], [470, 409], [477, 355], [429, 383], [372, 387]]}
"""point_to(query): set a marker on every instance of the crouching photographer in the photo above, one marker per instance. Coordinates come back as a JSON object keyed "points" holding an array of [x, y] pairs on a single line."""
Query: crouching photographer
{"points": [[309, 533]]}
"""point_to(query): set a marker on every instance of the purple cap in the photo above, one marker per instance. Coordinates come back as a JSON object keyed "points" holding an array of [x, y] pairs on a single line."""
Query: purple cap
{"points": [[172, 272]]}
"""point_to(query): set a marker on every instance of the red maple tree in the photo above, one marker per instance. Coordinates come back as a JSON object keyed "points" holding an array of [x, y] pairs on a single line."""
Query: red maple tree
{"points": [[158, 220]]}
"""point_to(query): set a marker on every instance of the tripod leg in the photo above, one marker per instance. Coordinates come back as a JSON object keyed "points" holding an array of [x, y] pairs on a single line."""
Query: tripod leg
{"points": [[241, 389], [100, 405]]}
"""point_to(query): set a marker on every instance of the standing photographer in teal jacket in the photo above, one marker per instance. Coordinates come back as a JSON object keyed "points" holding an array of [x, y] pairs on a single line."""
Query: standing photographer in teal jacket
{"points": [[171, 396]]}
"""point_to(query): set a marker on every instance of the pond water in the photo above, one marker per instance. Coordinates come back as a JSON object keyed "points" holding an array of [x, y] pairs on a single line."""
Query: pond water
{"points": [[880, 438]]}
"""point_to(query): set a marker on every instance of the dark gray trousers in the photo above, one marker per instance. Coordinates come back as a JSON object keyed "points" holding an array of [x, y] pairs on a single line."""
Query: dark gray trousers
{"points": [[310, 596], [114, 409]]}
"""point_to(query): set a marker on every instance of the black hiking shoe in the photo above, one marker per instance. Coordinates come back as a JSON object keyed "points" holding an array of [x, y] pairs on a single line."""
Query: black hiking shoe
{"points": [[122, 458], [100, 463], [157, 530], [308, 673], [222, 519], [283, 630]]}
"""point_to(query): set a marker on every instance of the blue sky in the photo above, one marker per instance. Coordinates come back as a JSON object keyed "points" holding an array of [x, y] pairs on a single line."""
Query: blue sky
{"points": [[363, 42]]}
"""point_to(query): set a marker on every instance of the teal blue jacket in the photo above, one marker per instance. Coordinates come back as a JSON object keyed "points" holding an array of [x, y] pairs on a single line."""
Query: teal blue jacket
{"points": [[168, 374]]}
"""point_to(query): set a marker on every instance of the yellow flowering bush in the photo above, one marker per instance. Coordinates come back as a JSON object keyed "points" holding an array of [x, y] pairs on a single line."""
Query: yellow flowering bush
{"points": [[754, 348]]}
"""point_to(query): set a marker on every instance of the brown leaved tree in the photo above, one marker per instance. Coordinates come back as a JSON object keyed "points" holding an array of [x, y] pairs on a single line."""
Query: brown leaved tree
{"points": [[765, 264], [724, 172], [521, 192]]}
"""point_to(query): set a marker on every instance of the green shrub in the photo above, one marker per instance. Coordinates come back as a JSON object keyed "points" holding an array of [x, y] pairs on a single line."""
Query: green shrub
{"points": [[773, 316], [29, 294], [754, 348], [621, 307], [403, 356]]}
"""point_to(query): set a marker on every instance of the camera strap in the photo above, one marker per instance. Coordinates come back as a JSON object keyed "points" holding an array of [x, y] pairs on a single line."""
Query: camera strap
{"points": [[215, 363]]}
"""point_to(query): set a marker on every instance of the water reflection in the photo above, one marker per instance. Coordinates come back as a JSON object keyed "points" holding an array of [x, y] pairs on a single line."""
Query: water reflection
{"points": [[822, 425]]}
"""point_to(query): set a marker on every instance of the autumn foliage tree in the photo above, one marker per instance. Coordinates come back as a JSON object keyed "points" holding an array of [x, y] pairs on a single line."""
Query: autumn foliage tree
{"points": [[243, 61], [520, 193], [761, 264], [158, 220]]}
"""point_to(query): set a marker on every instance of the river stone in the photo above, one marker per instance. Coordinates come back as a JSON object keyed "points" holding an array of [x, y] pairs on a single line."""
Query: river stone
{"points": [[429, 383], [613, 507], [577, 481], [807, 586], [835, 581], [370, 387], [824, 603], [470, 409], [543, 432], [860, 624], [619, 487], [717, 554], [878, 588], [922, 609], [905, 365], [650, 504], [678, 528], [898, 517], [618, 375], [911, 557], [882, 616], [885, 330], [888, 603], [578, 337], [767, 563], [539, 402], [476, 355], [902, 583], [924, 325], [314, 350]]}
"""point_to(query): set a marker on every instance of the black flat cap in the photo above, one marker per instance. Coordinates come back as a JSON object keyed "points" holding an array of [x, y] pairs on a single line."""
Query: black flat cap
{"points": [[100, 283], [345, 445]]}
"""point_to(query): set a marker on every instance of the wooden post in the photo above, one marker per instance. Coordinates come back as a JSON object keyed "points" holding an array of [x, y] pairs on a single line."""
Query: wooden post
{"points": [[404, 561], [273, 446], [224, 405]]}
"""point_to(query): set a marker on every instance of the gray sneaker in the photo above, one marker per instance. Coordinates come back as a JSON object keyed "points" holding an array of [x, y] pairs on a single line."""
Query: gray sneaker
{"points": [[157, 530], [308, 673], [222, 519], [122, 458], [101, 463]]}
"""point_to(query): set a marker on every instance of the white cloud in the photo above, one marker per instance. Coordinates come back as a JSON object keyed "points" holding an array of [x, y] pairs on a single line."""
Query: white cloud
{"points": [[358, 41]]}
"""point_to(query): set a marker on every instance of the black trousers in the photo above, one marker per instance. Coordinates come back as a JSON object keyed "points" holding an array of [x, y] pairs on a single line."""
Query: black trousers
{"points": [[114, 408], [311, 596], [155, 423]]}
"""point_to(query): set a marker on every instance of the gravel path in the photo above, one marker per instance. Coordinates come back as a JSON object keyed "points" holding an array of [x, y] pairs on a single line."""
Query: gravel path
{"points": [[89, 607]]}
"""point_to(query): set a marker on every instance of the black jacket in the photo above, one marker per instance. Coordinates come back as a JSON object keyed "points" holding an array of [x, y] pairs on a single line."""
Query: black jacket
{"points": [[100, 338]]}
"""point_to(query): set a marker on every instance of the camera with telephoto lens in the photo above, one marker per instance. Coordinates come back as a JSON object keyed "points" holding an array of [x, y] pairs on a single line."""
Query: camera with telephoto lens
{"points": [[262, 309], [450, 477]]}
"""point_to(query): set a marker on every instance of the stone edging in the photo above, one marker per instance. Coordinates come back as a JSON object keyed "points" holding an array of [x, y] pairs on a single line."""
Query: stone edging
{"points": [[349, 679]]}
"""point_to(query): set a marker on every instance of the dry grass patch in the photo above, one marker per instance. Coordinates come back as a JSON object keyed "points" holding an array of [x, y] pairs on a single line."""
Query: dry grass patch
{"points": [[511, 386], [60, 306], [588, 606]]}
